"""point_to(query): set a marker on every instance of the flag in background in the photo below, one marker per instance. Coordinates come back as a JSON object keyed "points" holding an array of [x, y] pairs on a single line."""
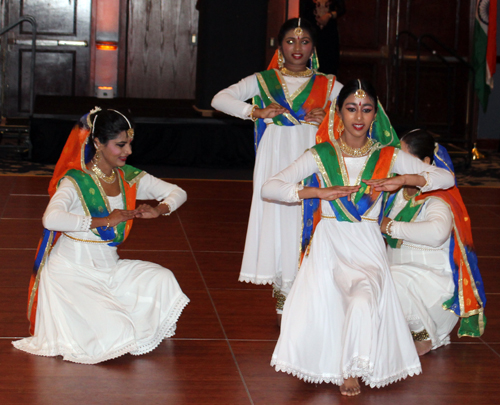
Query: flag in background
{"points": [[485, 48]]}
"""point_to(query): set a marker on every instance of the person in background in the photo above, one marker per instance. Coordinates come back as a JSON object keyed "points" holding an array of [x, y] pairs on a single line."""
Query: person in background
{"points": [[325, 13]]}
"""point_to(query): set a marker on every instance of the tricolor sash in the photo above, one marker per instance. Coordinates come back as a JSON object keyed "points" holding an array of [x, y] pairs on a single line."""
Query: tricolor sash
{"points": [[312, 94], [469, 299], [95, 204], [333, 172]]}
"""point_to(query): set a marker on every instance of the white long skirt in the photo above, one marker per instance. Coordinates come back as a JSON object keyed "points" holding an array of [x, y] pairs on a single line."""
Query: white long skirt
{"points": [[424, 280], [92, 314], [342, 317], [273, 236]]}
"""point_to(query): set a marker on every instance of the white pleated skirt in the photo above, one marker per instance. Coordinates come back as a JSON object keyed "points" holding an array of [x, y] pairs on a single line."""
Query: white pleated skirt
{"points": [[342, 317], [90, 314], [273, 235]]}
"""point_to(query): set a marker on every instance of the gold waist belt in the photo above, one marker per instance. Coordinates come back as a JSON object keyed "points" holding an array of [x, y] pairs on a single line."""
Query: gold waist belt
{"points": [[86, 240], [314, 124], [363, 218]]}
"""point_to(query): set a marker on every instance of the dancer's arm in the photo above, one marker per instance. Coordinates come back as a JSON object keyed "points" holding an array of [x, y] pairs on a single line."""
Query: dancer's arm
{"points": [[433, 230], [285, 187], [232, 100], [413, 172]]}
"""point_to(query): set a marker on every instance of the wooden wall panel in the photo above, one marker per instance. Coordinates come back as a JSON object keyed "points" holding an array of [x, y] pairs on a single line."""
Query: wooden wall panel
{"points": [[364, 26], [60, 69], [161, 59], [60, 18], [47, 83], [445, 20]]}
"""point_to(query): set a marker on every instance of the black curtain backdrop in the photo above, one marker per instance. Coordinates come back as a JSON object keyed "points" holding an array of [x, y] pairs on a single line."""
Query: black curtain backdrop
{"points": [[231, 44], [168, 132]]}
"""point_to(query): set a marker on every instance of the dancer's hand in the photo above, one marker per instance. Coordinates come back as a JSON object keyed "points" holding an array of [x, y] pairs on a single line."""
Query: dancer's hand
{"points": [[146, 211], [334, 192], [315, 115], [388, 184], [271, 111], [118, 216]]}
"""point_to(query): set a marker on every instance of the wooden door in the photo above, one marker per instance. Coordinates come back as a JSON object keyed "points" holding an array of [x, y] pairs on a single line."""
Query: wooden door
{"points": [[161, 49], [62, 59]]}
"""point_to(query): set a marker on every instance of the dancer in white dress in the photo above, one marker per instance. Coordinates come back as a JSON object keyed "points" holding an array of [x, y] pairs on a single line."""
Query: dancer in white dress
{"points": [[342, 319], [420, 231], [89, 305], [290, 101]]}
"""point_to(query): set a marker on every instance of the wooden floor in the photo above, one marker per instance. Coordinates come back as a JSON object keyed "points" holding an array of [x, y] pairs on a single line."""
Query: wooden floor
{"points": [[225, 337]]}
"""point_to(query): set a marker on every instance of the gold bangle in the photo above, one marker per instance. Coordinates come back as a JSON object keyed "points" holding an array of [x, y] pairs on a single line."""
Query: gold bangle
{"points": [[251, 113], [107, 224]]}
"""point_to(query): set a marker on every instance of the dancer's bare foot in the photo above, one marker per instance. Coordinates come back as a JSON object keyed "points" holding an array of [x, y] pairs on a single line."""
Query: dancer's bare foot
{"points": [[423, 347], [278, 320], [350, 387]]}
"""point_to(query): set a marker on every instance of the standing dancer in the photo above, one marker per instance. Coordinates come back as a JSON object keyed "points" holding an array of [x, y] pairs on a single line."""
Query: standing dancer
{"points": [[290, 101], [89, 305], [342, 319]]}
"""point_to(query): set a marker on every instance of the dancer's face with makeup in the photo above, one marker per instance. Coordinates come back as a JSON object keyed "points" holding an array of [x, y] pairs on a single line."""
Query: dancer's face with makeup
{"points": [[297, 49], [357, 115]]}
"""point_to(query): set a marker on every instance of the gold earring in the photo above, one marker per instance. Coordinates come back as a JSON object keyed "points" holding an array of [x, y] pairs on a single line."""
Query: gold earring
{"points": [[97, 157], [370, 132], [281, 60], [341, 127]]}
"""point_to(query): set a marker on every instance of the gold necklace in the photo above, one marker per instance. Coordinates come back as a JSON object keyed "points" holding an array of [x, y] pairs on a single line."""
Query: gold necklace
{"points": [[305, 73], [99, 173], [355, 152]]}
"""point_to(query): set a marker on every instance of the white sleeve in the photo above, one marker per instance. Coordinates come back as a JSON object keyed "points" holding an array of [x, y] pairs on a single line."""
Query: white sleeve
{"points": [[283, 186], [58, 216], [152, 188], [337, 86], [434, 230], [232, 100], [436, 177]]}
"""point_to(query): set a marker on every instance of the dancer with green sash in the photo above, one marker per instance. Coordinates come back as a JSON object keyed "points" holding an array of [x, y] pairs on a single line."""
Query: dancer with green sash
{"points": [[290, 100], [85, 303], [342, 320], [432, 256]]}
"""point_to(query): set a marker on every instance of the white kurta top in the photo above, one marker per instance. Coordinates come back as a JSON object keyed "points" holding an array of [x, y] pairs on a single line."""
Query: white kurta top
{"points": [[342, 317], [93, 306], [272, 242], [421, 268]]}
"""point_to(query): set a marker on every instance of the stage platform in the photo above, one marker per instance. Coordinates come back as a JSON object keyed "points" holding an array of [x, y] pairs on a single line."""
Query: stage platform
{"points": [[168, 132], [225, 337]]}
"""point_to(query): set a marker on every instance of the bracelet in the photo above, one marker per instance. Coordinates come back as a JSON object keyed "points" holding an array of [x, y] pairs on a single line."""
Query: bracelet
{"points": [[107, 224], [388, 228], [251, 113], [169, 208], [425, 175]]}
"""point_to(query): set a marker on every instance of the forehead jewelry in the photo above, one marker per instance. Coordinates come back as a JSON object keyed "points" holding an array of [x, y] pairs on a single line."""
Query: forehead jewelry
{"points": [[298, 31], [130, 130], [360, 93]]}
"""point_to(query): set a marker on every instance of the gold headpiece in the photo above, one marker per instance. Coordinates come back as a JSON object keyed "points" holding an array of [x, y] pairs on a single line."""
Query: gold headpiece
{"points": [[130, 130], [298, 31], [90, 124], [360, 93]]}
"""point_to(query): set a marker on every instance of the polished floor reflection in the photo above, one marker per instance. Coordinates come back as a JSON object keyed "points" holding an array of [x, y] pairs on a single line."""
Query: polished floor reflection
{"points": [[225, 337]]}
